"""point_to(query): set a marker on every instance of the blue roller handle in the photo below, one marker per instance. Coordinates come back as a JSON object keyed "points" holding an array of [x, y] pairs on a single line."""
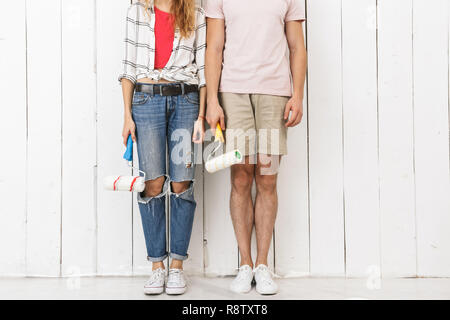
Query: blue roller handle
{"points": [[128, 155]]}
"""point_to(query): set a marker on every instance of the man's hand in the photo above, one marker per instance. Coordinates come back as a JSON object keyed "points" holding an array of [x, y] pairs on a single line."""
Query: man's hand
{"points": [[295, 108], [214, 115]]}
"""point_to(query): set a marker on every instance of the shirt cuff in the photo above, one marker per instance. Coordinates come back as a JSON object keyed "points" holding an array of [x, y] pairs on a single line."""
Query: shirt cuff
{"points": [[296, 18], [215, 16], [127, 76]]}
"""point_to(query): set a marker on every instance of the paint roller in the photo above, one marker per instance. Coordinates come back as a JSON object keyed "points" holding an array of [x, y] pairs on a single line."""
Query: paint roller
{"points": [[224, 161], [126, 183]]}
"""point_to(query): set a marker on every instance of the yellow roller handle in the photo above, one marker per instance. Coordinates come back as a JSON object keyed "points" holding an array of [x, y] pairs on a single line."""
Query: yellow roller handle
{"points": [[219, 134]]}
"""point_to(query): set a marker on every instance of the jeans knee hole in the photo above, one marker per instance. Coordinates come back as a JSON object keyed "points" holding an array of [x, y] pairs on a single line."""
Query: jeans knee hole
{"points": [[186, 191]]}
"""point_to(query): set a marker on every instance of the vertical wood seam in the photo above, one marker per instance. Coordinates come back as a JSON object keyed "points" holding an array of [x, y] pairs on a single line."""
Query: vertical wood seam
{"points": [[307, 143], [95, 176], [448, 73], [26, 142], [378, 133], [343, 139], [414, 136], [61, 136]]}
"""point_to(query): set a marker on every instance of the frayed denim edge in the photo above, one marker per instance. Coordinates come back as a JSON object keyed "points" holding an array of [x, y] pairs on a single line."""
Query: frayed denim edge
{"points": [[182, 194], [146, 200]]}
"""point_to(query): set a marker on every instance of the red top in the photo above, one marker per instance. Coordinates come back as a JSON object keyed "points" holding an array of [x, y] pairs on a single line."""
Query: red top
{"points": [[164, 37]]}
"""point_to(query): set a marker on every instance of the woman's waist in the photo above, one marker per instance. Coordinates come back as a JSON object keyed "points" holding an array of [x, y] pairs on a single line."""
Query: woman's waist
{"points": [[152, 81], [154, 77], [165, 88], [168, 76]]}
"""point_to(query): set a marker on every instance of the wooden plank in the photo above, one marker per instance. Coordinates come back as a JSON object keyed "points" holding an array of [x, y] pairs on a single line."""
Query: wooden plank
{"points": [[431, 127], [325, 138], [14, 132], [141, 266], [292, 226], [360, 136], [221, 251], [194, 264], [114, 209], [79, 138], [44, 137], [398, 245]]}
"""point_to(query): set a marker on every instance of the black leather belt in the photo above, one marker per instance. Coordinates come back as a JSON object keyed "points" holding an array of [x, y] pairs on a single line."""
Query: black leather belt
{"points": [[166, 89]]}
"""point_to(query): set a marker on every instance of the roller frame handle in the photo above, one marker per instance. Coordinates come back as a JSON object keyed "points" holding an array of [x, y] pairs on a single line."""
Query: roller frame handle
{"points": [[219, 134], [128, 155]]}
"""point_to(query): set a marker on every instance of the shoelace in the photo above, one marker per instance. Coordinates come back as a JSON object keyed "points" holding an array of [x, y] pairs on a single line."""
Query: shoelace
{"points": [[155, 276], [176, 274], [240, 276], [265, 273]]}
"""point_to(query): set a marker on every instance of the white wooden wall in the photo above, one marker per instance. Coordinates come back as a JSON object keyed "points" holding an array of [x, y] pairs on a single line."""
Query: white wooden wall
{"points": [[365, 186]]}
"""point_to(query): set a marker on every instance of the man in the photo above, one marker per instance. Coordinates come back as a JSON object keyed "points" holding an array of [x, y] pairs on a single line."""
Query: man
{"points": [[248, 71]]}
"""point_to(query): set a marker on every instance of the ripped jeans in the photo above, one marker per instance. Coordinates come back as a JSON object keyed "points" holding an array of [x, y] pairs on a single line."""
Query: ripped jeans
{"points": [[161, 122]]}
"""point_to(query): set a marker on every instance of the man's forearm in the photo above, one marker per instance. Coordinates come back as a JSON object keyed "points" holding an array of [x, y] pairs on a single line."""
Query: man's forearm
{"points": [[213, 72], [298, 60]]}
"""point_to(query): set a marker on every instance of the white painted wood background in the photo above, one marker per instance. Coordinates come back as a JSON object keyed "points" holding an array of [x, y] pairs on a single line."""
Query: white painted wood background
{"points": [[365, 187]]}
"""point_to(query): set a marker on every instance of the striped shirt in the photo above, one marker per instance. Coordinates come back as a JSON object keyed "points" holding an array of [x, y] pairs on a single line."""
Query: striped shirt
{"points": [[187, 61]]}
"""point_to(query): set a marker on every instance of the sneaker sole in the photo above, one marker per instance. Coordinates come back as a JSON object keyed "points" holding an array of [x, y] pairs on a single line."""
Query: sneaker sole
{"points": [[175, 290], [241, 291], [153, 291], [266, 293]]}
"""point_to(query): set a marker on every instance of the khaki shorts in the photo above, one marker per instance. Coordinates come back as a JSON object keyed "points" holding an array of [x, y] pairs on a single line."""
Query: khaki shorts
{"points": [[254, 123]]}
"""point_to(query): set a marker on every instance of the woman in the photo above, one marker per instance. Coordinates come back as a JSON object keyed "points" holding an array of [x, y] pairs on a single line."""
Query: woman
{"points": [[163, 86]]}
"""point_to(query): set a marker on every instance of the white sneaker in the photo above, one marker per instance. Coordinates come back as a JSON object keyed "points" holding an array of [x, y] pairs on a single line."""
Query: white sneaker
{"points": [[264, 281], [176, 283], [243, 281], [155, 284]]}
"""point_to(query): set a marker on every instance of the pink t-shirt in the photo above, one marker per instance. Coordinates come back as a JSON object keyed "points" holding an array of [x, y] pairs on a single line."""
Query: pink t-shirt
{"points": [[256, 59]]}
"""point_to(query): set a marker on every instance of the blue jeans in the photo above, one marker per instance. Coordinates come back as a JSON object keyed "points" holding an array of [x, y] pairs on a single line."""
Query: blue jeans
{"points": [[161, 122]]}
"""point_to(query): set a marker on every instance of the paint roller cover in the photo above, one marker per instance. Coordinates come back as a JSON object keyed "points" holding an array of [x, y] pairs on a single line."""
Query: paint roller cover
{"points": [[124, 183], [224, 161]]}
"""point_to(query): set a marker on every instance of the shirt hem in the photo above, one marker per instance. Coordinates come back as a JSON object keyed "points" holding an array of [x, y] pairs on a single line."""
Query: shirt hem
{"points": [[192, 81], [279, 93]]}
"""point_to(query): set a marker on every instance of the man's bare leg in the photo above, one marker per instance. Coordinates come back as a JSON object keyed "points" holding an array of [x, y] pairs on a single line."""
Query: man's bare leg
{"points": [[266, 204], [241, 206]]}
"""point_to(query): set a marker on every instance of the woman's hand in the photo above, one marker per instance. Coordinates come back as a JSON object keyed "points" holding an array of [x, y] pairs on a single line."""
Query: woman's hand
{"points": [[128, 128], [199, 131]]}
